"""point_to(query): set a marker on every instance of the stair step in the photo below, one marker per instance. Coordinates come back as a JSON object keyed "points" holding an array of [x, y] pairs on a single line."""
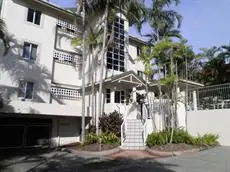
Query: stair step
{"points": [[134, 132], [134, 137], [133, 143], [130, 123], [133, 148], [134, 140], [134, 129], [134, 126]]}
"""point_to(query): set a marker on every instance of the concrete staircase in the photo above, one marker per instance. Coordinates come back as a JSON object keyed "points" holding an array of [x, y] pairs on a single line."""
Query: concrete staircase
{"points": [[133, 139]]}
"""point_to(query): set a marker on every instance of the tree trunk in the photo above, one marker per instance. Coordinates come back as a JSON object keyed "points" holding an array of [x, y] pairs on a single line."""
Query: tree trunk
{"points": [[102, 66], [172, 97], [83, 77], [92, 88]]}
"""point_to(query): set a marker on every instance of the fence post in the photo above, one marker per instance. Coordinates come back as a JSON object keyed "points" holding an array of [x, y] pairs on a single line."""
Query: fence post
{"points": [[194, 100]]}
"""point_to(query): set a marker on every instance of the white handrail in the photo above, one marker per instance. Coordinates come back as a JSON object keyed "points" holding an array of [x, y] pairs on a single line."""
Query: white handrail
{"points": [[123, 133], [145, 132]]}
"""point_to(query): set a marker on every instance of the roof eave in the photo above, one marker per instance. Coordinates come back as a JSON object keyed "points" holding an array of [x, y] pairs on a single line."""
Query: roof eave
{"points": [[54, 7]]}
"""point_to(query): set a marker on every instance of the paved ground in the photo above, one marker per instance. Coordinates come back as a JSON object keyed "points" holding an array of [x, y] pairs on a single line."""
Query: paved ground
{"points": [[214, 160], [135, 155]]}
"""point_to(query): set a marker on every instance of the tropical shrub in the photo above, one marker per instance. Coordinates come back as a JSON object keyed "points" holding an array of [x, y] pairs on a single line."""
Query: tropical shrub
{"points": [[105, 138], [111, 123], [91, 138], [206, 140], [91, 129], [109, 138], [181, 136]]}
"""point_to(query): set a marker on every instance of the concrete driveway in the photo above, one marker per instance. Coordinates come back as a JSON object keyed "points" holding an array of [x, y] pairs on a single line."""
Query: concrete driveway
{"points": [[213, 160]]}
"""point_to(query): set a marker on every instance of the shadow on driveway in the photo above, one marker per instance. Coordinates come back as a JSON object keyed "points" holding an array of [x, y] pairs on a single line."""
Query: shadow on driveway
{"points": [[68, 162], [23, 158]]}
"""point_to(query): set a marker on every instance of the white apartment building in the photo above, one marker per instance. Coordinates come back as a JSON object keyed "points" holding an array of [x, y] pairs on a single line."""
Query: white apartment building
{"points": [[40, 77]]}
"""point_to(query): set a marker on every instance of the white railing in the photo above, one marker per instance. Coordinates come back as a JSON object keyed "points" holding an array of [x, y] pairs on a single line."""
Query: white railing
{"points": [[209, 97], [65, 93], [144, 132], [144, 120], [123, 130], [66, 58], [69, 28]]}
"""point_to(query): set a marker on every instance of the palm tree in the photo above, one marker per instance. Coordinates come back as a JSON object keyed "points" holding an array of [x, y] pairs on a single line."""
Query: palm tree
{"points": [[93, 41], [3, 36], [163, 20]]}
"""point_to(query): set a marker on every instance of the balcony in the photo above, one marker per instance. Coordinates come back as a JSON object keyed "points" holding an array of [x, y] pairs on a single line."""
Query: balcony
{"points": [[67, 58], [68, 28], [25, 107], [63, 107], [65, 93]]}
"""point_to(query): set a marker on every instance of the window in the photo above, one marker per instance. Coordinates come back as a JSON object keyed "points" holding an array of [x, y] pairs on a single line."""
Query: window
{"points": [[108, 97], [138, 51], [34, 16], [119, 97], [25, 89], [1, 1], [29, 51], [116, 54], [140, 74]]}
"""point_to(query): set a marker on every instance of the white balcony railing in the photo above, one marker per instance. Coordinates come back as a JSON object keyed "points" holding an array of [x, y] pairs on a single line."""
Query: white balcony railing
{"points": [[69, 28], [65, 93], [66, 58]]}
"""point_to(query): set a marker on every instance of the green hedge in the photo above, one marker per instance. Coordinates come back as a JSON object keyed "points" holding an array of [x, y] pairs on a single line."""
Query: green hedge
{"points": [[180, 136], [106, 138]]}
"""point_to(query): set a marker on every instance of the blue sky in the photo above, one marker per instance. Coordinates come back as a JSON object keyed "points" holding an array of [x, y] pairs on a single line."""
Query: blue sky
{"points": [[205, 22]]}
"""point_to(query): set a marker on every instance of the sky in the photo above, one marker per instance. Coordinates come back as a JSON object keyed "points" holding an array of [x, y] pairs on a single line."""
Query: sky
{"points": [[205, 22]]}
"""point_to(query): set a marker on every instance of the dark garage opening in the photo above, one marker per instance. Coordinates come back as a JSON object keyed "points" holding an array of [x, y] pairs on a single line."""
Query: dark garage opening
{"points": [[24, 132]]}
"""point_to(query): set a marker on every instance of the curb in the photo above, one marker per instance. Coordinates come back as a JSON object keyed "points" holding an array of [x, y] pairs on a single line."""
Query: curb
{"points": [[173, 153], [93, 154]]}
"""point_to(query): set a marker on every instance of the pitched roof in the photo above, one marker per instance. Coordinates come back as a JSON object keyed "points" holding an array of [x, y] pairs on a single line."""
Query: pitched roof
{"points": [[57, 8], [121, 78], [137, 40]]}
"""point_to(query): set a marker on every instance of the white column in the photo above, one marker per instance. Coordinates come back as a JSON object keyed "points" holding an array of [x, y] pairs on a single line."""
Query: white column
{"points": [[112, 96], [194, 100], [181, 112], [134, 94]]}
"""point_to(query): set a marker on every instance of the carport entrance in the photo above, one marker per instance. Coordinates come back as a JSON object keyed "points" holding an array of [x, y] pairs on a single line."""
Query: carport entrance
{"points": [[24, 132]]}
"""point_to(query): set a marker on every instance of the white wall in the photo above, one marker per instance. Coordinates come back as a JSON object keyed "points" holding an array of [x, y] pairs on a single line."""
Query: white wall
{"points": [[134, 64], [13, 67], [67, 74], [210, 121], [43, 108]]}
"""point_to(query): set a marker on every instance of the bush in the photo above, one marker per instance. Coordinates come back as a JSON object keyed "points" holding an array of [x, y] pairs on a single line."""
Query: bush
{"points": [[206, 140], [180, 136], [91, 138], [91, 129], [106, 138], [110, 138], [111, 123], [160, 138]]}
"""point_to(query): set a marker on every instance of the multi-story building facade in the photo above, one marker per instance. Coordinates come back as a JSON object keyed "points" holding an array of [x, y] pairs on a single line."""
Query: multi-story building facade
{"points": [[41, 75]]}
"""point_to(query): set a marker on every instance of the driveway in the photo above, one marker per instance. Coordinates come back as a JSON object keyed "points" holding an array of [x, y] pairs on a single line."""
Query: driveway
{"points": [[213, 160]]}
